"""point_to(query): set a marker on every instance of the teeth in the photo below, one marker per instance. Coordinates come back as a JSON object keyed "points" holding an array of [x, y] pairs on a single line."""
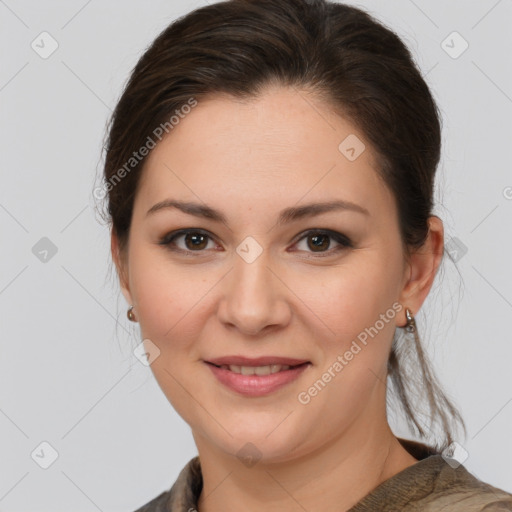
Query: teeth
{"points": [[256, 370]]}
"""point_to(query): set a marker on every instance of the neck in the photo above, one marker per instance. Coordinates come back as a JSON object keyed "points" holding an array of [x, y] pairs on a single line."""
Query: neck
{"points": [[333, 478]]}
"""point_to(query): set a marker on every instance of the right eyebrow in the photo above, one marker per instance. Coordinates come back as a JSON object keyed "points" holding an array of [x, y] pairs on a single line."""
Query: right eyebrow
{"points": [[286, 216]]}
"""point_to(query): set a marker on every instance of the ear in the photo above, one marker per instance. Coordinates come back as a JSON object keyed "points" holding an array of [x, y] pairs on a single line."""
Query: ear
{"points": [[121, 267], [422, 267]]}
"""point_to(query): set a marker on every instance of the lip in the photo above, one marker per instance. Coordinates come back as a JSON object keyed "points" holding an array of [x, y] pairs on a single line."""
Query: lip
{"points": [[257, 361], [256, 385]]}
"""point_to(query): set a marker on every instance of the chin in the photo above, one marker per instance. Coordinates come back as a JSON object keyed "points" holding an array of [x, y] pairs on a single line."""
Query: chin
{"points": [[263, 443]]}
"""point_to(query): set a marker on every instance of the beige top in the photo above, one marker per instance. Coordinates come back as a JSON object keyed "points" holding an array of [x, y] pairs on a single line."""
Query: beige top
{"points": [[430, 485]]}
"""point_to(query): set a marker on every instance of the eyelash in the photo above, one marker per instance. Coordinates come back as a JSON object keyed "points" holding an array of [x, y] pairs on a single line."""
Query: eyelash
{"points": [[341, 239]]}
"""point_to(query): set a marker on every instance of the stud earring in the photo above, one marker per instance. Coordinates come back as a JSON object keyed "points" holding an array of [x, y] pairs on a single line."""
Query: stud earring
{"points": [[130, 314]]}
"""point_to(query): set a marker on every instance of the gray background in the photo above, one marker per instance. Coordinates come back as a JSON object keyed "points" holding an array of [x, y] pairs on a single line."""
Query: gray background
{"points": [[68, 376]]}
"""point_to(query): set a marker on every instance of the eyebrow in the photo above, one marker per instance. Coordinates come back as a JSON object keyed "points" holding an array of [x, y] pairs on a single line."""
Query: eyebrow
{"points": [[286, 216]]}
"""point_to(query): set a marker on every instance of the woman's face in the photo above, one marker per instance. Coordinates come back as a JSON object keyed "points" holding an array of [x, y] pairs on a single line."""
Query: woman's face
{"points": [[257, 284]]}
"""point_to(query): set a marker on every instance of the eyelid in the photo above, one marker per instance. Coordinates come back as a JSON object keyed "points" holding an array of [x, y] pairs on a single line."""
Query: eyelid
{"points": [[168, 239], [342, 240]]}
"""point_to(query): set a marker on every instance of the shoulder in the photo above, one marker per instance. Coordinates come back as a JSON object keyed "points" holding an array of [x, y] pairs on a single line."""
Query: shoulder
{"points": [[438, 483], [433, 485], [456, 489], [184, 493], [158, 504]]}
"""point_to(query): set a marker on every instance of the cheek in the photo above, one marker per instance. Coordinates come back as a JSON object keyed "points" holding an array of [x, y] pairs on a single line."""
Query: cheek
{"points": [[166, 296], [351, 297], [169, 310]]}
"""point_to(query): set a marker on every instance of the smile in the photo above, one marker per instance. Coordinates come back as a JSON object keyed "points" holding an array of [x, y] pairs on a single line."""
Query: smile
{"points": [[255, 370], [256, 380]]}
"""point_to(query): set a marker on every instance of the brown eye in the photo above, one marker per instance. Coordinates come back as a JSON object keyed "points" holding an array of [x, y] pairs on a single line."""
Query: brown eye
{"points": [[320, 242], [193, 241]]}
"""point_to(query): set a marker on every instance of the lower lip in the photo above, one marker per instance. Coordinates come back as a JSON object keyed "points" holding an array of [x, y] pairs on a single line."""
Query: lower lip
{"points": [[256, 385]]}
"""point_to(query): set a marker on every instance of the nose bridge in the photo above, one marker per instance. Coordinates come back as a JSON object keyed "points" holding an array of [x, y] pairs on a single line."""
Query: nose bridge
{"points": [[252, 296], [251, 277]]}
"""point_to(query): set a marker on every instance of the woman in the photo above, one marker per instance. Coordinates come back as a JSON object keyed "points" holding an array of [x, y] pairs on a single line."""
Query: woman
{"points": [[270, 170]]}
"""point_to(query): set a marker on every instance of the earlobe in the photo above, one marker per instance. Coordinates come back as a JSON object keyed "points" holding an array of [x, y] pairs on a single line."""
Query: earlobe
{"points": [[120, 267], [422, 267]]}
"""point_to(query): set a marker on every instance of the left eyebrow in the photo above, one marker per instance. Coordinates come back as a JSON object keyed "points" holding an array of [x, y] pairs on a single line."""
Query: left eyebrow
{"points": [[310, 210], [286, 216]]}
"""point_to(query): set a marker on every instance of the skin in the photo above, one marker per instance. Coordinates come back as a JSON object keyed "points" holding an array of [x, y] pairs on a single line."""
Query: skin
{"points": [[250, 160]]}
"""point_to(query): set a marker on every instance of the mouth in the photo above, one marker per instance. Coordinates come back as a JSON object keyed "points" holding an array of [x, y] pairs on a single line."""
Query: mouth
{"points": [[258, 370], [256, 377]]}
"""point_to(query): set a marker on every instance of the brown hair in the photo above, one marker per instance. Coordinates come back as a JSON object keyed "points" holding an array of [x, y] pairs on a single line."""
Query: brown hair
{"points": [[349, 59]]}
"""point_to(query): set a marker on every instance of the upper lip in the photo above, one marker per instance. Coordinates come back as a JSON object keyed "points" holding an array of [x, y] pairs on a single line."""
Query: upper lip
{"points": [[257, 361]]}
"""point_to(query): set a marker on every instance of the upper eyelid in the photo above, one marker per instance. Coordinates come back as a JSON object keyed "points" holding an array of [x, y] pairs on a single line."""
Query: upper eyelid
{"points": [[303, 234]]}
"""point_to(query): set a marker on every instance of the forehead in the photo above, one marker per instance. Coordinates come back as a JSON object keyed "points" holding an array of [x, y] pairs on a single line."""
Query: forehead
{"points": [[277, 147]]}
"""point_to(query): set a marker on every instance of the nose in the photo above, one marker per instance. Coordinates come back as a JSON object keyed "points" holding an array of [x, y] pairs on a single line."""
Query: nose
{"points": [[253, 298]]}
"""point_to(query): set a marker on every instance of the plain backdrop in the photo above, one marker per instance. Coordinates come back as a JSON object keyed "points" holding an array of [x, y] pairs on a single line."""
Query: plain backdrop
{"points": [[70, 386]]}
